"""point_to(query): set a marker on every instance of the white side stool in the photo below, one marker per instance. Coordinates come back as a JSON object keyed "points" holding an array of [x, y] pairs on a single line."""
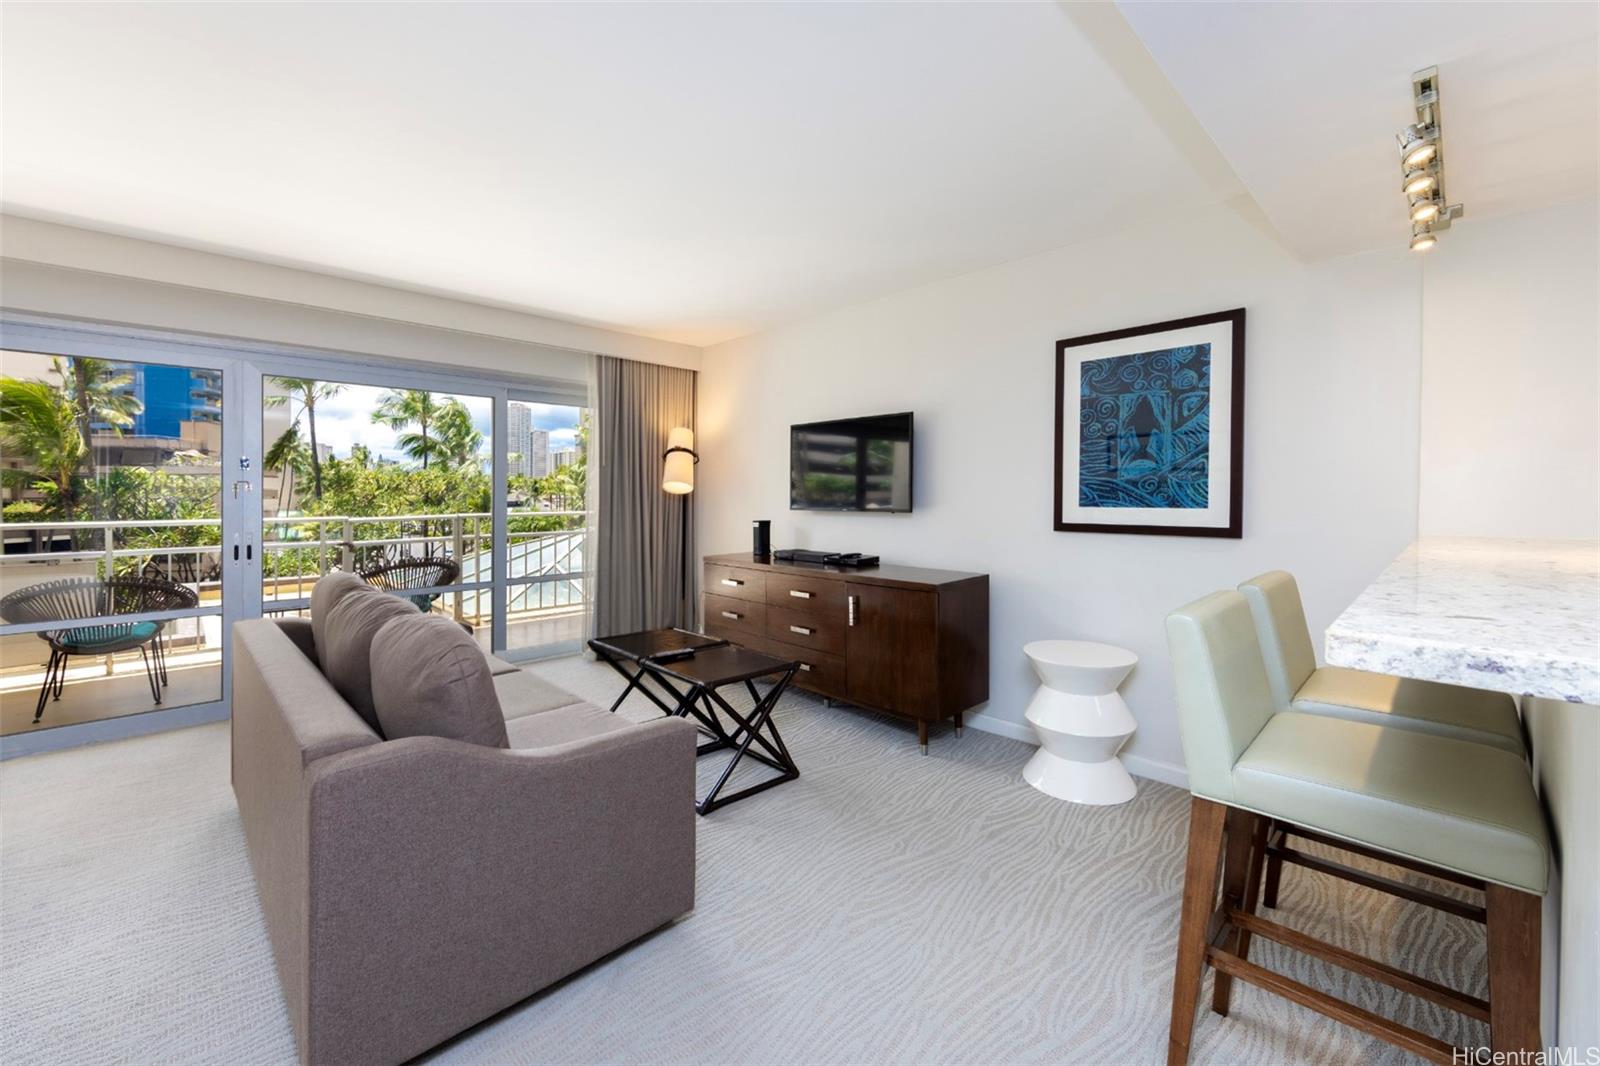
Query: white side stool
{"points": [[1081, 720]]}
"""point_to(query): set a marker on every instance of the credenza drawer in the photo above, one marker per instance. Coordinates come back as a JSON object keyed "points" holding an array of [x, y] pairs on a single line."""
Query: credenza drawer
{"points": [[806, 629], [735, 618], [819, 672], [736, 583], [814, 596]]}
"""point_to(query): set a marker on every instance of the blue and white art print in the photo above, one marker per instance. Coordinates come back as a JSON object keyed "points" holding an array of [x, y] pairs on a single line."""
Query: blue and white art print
{"points": [[1144, 436], [1149, 428]]}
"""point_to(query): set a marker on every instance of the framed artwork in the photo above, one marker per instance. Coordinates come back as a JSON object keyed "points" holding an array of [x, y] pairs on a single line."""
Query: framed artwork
{"points": [[1150, 429]]}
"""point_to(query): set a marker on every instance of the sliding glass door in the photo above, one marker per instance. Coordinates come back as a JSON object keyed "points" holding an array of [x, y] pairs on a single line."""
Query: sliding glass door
{"points": [[547, 526], [119, 522], [393, 481]]}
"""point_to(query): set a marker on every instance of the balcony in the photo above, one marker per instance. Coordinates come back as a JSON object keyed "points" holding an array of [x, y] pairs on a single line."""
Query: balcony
{"points": [[546, 593]]}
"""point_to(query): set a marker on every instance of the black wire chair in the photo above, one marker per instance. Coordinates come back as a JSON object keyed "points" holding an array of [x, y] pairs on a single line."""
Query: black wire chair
{"points": [[402, 575], [92, 597]]}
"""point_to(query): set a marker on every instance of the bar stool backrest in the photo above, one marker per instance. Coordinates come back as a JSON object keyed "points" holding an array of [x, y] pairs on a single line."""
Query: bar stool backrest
{"points": [[1224, 699], [1280, 621]]}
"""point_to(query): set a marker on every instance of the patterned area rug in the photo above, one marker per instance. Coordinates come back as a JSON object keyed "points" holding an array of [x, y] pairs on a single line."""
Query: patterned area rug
{"points": [[885, 907]]}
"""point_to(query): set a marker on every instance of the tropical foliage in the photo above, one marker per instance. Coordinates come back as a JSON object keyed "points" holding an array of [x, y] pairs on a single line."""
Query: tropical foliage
{"points": [[39, 426], [306, 393], [404, 409]]}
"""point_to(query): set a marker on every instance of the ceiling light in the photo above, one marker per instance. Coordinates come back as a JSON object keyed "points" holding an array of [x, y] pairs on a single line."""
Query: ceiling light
{"points": [[1422, 165], [1417, 145], [1418, 181], [1424, 210]]}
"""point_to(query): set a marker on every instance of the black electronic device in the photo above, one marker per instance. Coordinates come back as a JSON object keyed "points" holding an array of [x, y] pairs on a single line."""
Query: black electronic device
{"points": [[760, 538], [802, 555]]}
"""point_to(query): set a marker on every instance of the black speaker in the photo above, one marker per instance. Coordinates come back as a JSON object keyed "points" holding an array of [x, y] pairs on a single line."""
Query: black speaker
{"points": [[761, 538]]}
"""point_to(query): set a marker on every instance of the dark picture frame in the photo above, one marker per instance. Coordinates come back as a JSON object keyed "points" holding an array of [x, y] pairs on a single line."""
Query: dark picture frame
{"points": [[1157, 338]]}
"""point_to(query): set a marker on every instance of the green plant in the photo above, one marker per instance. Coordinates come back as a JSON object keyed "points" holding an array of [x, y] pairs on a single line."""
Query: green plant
{"points": [[307, 393], [412, 407], [95, 388], [40, 426], [459, 439]]}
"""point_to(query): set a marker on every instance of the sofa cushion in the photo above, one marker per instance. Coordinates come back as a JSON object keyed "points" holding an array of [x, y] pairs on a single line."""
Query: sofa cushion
{"points": [[430, 679], [329, 590], [498, 666], [345, 653], [522, 694], [580, 721]]}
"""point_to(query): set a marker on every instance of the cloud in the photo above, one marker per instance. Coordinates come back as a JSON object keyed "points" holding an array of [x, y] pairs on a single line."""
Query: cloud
{"points": [[345, 420]]}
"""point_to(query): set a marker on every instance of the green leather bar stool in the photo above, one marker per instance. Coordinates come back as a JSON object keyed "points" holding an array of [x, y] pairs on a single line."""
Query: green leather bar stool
{"points": [[1299, 684], [1453, 809]]}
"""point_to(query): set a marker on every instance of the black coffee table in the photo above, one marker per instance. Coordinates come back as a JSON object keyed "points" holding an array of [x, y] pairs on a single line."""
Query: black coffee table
{"points": [[704, 673], [689, 668], [633, 649]]}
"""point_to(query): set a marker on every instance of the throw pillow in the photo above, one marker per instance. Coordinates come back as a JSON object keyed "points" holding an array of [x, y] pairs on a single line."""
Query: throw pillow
{"points": [[430, 679], [345, 655]]}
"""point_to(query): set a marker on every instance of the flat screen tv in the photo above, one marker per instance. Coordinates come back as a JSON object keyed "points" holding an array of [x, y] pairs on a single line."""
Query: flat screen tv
{"points": [[852, 464]]}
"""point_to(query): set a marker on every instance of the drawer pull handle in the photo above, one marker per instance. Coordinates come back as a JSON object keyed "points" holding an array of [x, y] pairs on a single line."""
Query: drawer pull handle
{"points": [[850, 602], [732, 583], [806, 667], [802, 630], [735, 615], [799, 594]]}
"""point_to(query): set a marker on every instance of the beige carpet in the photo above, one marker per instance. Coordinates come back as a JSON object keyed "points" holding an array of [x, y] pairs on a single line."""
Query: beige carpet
{"points": [[885, 907]]}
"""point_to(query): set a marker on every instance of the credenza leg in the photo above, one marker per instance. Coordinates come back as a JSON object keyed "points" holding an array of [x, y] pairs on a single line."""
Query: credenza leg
{"points": [[922, 735], [958, 723]]}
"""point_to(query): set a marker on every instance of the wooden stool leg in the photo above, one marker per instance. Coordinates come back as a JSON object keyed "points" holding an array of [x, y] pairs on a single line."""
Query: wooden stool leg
{"points": [[1241, 887], [1206, 820], [1269, 894], [1514, 982]]}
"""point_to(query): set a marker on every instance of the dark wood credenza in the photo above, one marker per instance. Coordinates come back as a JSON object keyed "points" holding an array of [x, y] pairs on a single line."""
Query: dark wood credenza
{"points": [[901, 639]]}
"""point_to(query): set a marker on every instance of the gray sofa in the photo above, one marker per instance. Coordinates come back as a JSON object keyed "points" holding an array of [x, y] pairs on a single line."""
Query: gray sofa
{"points": [[414, 887]]}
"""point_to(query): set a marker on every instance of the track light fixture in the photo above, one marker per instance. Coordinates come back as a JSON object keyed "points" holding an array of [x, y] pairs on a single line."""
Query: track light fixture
{"points": [[1422, 165]]}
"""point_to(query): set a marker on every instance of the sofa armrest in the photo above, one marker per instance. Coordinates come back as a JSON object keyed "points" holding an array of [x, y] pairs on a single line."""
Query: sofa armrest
{"points": [[449, 881]]}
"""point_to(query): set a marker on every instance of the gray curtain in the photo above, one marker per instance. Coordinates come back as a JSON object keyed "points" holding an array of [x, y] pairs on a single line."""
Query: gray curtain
{"points": [[645, 572]]}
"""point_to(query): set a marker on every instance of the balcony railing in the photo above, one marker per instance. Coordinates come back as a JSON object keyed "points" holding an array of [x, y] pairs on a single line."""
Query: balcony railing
{"points": [[544, 556]]}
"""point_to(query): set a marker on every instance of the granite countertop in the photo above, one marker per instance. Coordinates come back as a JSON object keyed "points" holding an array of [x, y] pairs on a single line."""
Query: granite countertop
{"points": [[1519, 616]]}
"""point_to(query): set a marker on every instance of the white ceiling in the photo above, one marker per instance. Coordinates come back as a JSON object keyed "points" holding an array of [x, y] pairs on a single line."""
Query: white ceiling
{"points": [[696, 172], [691, 172], [1304, 100]]}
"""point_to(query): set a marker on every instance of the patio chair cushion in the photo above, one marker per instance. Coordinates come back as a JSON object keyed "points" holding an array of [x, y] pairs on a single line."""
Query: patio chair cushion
{"points": [[345, 652], [329, 590], [92, 638], [429, 679]]}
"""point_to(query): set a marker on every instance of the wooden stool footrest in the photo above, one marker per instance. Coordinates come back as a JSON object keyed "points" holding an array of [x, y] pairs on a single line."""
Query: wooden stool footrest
{"points": [[1418, 1043], [1392, 976], [1436, 900]]}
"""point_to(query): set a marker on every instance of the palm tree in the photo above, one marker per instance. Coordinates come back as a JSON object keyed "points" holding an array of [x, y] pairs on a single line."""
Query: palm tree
{"points": [[412, 407], [41, 426], [306, 392], [95, 387], [289, 455], [459, 439]]}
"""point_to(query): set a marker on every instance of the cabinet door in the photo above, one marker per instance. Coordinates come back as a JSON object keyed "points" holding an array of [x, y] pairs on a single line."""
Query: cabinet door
{"points": [[890, 650]]}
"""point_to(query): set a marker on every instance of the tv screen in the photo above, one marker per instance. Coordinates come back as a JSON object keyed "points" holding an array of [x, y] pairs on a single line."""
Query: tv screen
{"points": [[853, 464]]}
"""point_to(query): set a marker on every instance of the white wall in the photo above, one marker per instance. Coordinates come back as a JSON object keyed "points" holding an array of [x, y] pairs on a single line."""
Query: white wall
{"points": [[1330, 451], [64, 270], [1510, 434]]}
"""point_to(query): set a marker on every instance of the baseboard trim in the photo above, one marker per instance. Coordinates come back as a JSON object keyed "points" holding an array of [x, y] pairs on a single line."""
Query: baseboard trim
{"points": [[1138, 765]]}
